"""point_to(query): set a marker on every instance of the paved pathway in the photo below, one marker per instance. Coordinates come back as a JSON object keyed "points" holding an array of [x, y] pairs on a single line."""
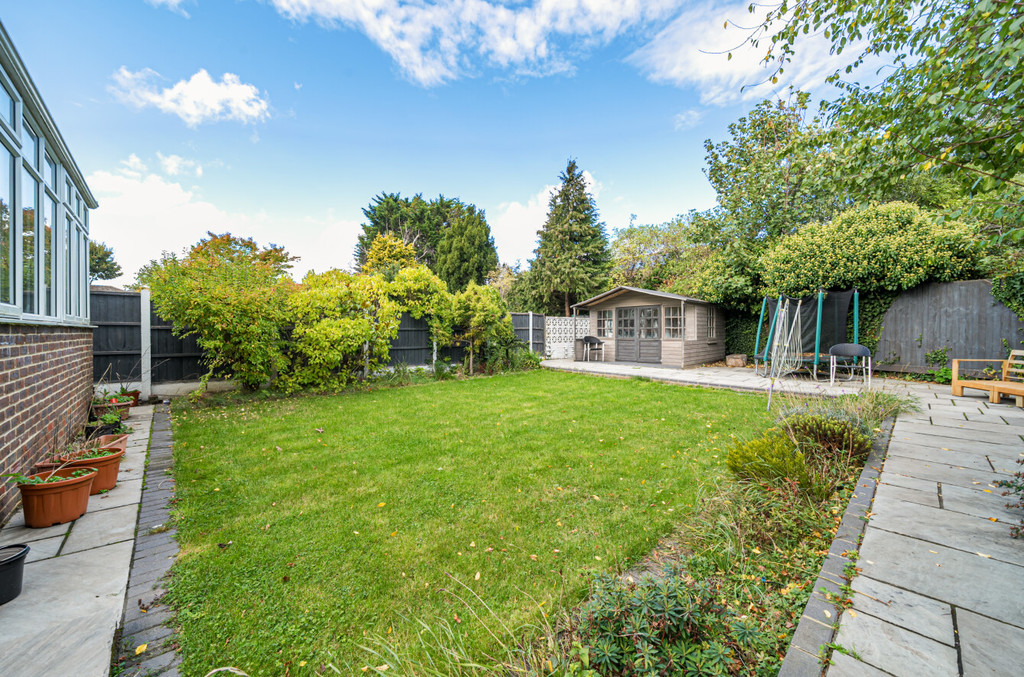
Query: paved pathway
{"points": [[146, 643], [940, 583], [940, 587], [63, 622]]}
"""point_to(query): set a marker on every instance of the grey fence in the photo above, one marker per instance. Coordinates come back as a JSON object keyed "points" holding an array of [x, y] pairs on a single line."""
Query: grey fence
{"points": [[530, 330], [961, 318], [118, 343]]}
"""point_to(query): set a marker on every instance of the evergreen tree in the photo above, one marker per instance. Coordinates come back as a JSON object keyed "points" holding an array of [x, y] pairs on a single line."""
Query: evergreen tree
{"points": [[414, 221], [572, 260], [102, 265], [466, 252]]}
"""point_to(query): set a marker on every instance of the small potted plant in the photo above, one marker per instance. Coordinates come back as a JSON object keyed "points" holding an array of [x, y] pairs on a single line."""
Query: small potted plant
{"points": [[117, 403], [55, 497], [106, 424], [90, 454]]}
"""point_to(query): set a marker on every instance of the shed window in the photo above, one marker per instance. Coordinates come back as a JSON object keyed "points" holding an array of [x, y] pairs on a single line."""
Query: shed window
{"points": [[673, 322], [604, 323], [711, 323], [649, 323]]}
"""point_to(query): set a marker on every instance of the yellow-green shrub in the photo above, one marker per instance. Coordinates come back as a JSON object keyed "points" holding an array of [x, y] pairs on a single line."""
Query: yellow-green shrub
{"points": [[772, 458], [892, 247], [336, 314]]}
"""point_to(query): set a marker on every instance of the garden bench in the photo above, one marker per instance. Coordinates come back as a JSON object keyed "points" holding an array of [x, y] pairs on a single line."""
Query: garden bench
{"points": [[1011, 383]]}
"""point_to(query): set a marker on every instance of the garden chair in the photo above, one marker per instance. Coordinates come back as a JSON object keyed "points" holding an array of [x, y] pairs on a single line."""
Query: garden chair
{"points": [[591, 345], [846, 356], [1011, 383]]}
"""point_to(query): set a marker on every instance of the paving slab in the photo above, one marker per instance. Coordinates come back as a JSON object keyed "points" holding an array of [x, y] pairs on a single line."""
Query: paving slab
{"points": [[44, 549], [952, 529], [846, 666], [125, 492], [16, 532], [959, 459], [978, 635], [963, 579], [924, 616], [940, 472], [53, 629], [893, 649], [95, 529]]}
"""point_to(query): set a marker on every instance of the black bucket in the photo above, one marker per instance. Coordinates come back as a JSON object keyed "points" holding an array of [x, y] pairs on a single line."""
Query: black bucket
{"points": [[12, 566]]}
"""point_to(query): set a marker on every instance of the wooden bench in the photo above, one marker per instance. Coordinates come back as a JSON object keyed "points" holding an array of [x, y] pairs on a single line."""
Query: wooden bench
{"points": [[1012, 382]]}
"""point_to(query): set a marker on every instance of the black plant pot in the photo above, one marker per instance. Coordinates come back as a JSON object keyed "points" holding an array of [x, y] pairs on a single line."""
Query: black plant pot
{"points": [[12, 566], [92, 431]]}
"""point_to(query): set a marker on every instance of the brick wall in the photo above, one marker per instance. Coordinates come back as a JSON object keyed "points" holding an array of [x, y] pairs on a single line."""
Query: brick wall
{"points": [[45, 388]]}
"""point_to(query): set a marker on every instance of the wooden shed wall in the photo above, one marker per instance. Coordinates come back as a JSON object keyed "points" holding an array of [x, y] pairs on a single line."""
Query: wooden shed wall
{"points": [[698, 348]]}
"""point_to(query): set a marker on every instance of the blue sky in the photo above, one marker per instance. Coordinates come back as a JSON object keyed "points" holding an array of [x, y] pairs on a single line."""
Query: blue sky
{"points": [[282, 119]]}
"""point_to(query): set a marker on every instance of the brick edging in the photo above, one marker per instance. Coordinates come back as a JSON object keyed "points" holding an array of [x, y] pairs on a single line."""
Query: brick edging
{"points": [[818, 622], [145, 617]]}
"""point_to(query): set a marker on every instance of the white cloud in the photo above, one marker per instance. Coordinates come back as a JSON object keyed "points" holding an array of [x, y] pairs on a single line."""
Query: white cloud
{"points": [[437, 42], [133, 165], [173, 165], [514, 225], [692, 51], [297, 85], [142, 214], [688, 119], [173, 5], [196, 100]]}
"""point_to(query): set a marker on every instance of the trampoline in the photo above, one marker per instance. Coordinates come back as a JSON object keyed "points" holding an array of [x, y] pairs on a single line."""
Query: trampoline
{"points": [[801, 331]]}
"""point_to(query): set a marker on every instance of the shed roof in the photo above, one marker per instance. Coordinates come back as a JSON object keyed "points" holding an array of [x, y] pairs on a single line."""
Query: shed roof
{"points": [[616, 291]]}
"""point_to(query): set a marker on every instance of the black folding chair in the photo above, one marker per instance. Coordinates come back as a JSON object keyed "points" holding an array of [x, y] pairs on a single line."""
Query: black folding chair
{"points": [[591, 345], [846, 356]]}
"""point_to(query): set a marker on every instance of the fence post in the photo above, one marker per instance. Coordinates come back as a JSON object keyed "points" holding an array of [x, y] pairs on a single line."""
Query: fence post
{"points": [[531, 331], [145, 345]]}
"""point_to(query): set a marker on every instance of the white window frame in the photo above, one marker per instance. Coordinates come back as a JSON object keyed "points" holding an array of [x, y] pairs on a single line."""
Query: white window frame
{"points": [[605, 323]]}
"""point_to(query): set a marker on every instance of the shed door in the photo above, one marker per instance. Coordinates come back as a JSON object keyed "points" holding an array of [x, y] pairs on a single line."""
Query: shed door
{"points": [[625, 335], [649, 334]]}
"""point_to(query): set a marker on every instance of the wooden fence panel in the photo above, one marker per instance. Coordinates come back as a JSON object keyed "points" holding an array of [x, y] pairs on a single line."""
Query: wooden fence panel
{"points": [[961, 317], [116, 341], [521, 323]]}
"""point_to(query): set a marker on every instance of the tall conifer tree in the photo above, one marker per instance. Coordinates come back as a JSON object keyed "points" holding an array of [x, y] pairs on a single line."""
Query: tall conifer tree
{"points": [[573, 260], [466, 252]]}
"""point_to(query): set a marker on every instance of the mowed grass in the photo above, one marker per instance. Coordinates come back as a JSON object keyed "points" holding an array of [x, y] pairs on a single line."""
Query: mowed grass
{"points": [[308, 525]]}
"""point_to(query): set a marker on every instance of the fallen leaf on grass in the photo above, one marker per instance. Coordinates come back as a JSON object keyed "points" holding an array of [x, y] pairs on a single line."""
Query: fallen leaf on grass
{"points": [[381, 505], [477, 577]]}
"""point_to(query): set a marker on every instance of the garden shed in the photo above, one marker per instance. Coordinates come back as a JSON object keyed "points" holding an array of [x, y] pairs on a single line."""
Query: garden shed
{"points": [[656, 327]]}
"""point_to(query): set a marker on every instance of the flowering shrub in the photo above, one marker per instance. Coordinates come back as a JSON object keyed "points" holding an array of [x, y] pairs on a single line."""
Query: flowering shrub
{"points": [[892, 247], [336, 314]]}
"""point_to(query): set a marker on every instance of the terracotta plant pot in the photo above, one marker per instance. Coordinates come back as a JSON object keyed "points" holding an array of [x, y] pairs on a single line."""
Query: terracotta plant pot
{"points": [[56, 502], [135, 396], [106, 466], [122, 409], [113, 442]]}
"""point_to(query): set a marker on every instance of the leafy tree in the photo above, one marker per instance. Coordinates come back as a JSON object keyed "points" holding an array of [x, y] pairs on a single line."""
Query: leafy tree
{"points": [[102, 265], [231, 294], [416, 222], [466, 252], [950, 101], [388, 255], [768, 174], [656, 256], [889, 247], [479, 315], [343, 325], [572, 259]]}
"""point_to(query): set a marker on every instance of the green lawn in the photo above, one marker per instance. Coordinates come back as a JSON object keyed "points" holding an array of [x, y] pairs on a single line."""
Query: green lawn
{"points": [[308, 523]]}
